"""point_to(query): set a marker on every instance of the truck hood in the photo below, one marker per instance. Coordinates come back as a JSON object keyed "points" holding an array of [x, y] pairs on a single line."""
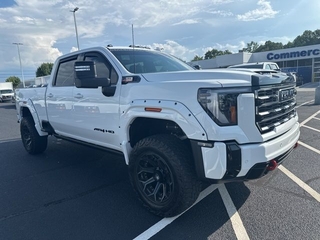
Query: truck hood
{"points": [[222, 77]]}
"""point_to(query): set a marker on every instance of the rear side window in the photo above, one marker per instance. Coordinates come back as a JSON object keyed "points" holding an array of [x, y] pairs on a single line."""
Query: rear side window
{"points": [[65, 74]]}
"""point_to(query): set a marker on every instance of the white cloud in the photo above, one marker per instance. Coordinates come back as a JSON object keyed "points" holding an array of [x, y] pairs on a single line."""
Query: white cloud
{"points": [[175, 49], [186, 21], [234, 48], [73, 49], [217, 2], [46, 28], [27, 20], [222, 13], [264, 11]]}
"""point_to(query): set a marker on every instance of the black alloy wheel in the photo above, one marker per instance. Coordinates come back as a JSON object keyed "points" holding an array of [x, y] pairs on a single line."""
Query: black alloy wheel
{"points": [[32, 141], [163, 175]]}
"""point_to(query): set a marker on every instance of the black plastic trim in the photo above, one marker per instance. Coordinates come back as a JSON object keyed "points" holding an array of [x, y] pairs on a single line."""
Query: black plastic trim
{"points": [[233, 160], [198, 159], [257, 171], [46, 127], [89, 144]]}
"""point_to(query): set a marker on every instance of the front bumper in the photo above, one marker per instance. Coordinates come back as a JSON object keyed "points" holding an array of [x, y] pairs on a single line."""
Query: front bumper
{"points": [[230, 161]]}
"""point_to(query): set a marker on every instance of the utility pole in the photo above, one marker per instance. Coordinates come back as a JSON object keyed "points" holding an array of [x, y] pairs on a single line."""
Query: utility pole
{"points": [[75, 24], [18, 44]]}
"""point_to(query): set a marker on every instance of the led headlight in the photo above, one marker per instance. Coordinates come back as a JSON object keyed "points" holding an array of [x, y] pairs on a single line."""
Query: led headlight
{"points": [[221, 105]]}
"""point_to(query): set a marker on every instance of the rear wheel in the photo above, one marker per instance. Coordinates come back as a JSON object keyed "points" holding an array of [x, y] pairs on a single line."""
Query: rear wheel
{"points": [[32, 141], [163, 176]]}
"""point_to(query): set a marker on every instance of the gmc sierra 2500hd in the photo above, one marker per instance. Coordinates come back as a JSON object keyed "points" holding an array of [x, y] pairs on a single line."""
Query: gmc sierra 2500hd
{"points": [[175, 126]]}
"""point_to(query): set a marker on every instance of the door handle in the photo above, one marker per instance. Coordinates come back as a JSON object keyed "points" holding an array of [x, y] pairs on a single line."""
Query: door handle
{"points": [[78, 95], [50, 95]]}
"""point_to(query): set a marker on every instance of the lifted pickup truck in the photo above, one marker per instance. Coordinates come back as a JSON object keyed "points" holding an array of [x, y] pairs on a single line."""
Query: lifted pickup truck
{"points": [[175, 126], [264, 68]]}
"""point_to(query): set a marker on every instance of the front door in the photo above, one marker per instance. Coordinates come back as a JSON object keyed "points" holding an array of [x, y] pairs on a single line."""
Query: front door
{"points": [[97, 116]]}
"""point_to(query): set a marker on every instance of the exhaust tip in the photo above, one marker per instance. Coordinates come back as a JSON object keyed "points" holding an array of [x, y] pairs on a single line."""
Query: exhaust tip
{"points": [[296, 145], [272, 165]]}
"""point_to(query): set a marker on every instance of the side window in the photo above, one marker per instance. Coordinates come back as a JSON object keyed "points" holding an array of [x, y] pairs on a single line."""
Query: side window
{"points": [[268, 66], [274, 67], [65, 75], [103, 67]]}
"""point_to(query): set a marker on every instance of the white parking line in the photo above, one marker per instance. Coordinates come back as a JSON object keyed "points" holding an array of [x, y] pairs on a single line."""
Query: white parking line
{"points": [[153, 230], [314, 129], [309, 147], [304, 103], [303, 185], [309, 118], [317, 118], [236, 221], [10, 140]]}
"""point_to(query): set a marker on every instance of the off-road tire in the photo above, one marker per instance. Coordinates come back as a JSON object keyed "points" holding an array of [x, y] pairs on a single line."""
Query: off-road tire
{"points": [[32, 141], [164, 163]]}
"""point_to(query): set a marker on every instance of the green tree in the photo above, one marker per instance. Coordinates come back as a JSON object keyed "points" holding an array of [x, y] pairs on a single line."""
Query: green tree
{"points": [[251, 47], [15, 81], [44, 70], [225, 52], [288, 45], [307, 38], [269, 46], [196, 58], [214, 53]]}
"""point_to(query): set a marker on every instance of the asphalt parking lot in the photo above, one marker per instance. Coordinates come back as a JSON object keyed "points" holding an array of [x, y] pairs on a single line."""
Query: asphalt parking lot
{"points": [[75, 192]]}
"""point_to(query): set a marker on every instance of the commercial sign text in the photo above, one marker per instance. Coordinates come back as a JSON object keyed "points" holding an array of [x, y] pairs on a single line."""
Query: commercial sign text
{"points": [[293, 54]]}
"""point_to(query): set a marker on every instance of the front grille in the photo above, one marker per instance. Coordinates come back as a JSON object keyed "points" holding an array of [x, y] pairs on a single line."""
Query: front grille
{"points": [[275, 105]]}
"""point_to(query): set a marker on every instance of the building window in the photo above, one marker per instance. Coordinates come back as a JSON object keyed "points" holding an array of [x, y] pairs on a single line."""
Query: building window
{"points": [[280, 64], [305, 62], [292, 63]]}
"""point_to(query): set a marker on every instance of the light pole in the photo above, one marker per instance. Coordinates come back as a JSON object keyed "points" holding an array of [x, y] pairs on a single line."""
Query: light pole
{"points": [[75, 24], [20, 62]]}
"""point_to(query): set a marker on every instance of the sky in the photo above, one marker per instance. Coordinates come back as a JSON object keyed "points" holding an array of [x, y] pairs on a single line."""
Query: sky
{"points": [[46, 28]]}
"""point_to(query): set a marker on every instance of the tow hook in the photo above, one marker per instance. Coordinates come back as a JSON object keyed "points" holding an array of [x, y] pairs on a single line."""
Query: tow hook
{"points": [[272, 165]]}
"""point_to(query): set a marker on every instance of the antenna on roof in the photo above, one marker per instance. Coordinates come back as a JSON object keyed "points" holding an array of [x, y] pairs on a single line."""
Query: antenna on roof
{"points": [[134, 58], [132, 32]]}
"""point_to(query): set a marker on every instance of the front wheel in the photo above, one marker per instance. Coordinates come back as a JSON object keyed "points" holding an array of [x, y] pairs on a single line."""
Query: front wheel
{"points": [[32, 141], [163, 176]]}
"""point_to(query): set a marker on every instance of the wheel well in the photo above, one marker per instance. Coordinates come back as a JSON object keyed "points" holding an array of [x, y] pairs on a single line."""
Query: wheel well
{"points": [[143, 127], [25, 112]]}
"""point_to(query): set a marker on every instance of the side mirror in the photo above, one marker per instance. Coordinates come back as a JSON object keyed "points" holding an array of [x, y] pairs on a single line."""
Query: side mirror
{"points": [[86, 76], [197, 67]]}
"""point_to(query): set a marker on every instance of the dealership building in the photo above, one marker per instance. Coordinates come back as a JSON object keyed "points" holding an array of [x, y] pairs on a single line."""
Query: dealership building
{"points": [[304, 61]]}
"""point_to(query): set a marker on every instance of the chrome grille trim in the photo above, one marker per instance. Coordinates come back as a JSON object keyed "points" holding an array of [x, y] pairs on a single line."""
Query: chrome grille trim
{"points": [[270, 111]]}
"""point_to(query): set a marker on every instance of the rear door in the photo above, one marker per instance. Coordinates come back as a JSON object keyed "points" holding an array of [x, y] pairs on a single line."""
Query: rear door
{"points": [[59, 98], [97, 116]]}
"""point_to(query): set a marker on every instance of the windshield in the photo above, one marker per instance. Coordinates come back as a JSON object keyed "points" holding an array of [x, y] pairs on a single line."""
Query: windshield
{"points": [[142, 61], [6, 91]]}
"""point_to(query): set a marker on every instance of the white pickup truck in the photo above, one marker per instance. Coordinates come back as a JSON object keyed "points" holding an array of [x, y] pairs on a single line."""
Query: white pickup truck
{"points": [[264, 68], [175, 126]]}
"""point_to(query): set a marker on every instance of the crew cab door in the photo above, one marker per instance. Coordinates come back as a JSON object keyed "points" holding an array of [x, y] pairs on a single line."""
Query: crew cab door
{"points": [[59, 98], [97, 115]]}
